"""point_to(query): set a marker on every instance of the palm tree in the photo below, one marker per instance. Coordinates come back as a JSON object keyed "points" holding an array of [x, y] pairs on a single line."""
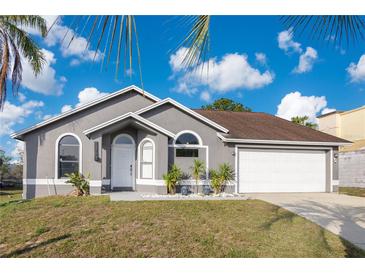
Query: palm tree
{"points": [[303, 121], [16, 44], [197, 171]]}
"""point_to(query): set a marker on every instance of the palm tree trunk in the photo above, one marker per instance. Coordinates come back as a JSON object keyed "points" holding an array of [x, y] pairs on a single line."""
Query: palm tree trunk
{"points": [[4, 68]]}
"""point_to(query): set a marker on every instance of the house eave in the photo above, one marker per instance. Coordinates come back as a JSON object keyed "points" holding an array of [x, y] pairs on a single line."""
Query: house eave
{"points": [[19, 134], [125, 116], [279, 142]]}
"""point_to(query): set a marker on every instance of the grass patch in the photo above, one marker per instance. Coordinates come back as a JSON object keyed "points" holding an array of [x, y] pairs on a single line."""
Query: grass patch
{"points": [[353, 191], [96, 227], [10, 195]]}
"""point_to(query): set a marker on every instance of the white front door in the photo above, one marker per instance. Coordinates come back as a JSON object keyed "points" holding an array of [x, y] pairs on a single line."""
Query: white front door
{"points": [[122, 166], [271, 170]]}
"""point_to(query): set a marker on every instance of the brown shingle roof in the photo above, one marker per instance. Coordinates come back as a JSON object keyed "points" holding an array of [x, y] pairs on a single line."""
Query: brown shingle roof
{"points": [[263, 126]]}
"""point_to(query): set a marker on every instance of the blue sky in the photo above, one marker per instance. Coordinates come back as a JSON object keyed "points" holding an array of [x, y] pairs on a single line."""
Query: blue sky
{"points": [[253, 60]]}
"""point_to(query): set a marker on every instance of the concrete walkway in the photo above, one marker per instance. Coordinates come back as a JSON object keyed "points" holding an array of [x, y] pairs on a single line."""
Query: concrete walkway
{"points": [[142, 196], [341, 214]]}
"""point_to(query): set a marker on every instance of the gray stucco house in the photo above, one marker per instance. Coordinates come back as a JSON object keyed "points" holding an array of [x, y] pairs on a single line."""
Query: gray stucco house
{"points": [[126, 140]]}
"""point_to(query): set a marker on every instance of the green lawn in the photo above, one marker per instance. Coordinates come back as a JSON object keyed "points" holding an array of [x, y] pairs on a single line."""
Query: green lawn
{"points": [[353, 191], [9, 194], [96, 227]]}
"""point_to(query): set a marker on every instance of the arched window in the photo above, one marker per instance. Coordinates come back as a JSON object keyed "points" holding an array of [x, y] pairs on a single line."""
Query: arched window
{"points": [[187, 139], [68, 155], [147, 160], [187, 143], [123, 140]]}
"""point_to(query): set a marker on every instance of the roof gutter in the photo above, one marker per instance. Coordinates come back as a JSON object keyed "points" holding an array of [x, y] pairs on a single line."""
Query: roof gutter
{"points": [[280, 142]]}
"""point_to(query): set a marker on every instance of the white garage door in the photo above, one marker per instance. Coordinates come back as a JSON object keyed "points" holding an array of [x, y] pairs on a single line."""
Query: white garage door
{"points": [[269, 170]]}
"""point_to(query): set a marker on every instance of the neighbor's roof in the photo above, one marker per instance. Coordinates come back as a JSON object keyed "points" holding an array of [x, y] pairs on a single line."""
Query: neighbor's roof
{"points": [[262, 126], [330, 113], [355, 146]]}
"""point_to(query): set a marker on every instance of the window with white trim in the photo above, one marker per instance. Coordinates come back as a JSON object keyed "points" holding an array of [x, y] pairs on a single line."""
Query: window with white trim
{"points": [[68, 156], [188, 141], [147, 160]]}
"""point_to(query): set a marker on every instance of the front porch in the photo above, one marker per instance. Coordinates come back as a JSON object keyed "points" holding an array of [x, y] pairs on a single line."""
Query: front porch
{"points": [[131, 154]]}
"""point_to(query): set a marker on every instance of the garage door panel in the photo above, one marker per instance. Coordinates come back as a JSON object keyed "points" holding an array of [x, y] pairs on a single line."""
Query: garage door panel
{"points": [[281, 171]]}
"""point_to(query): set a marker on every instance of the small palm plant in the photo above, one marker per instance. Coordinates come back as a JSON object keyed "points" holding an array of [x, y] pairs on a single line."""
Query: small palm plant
{"points": [[172, 178], [218, 179], [80, 182], [226, 173], [215, 181], [198, 169]]}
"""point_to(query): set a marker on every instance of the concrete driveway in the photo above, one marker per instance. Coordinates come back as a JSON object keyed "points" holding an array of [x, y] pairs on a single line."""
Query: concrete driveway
{"points": [[341, 214]]}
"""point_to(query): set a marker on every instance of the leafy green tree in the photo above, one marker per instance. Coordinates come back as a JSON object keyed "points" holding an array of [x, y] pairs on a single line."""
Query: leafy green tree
{"points": [[226, 104], [4, 165], [15, 43], [303, 121]]}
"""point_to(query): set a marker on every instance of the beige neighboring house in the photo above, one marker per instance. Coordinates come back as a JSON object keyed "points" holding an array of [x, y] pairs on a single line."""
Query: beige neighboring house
{"points": [[349, 125]]}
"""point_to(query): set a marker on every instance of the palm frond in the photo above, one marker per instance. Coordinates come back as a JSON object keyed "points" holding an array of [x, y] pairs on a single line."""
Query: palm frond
{"points": [[339, 29], [109, 32], [15, 43], [33, 21], [16, 74], [196, 41], [27, 46]]}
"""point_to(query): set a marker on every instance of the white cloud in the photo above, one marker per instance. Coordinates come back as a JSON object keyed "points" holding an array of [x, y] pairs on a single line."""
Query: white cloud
{"points": [[176, 59], [261, 58], [61, 35], [16, 114], [357, 71], [48, 116], [327, 110], [46, 82], [66, 108], [232, 72], [21, 97], [205, 96], [306, 61], [286, 42], [17, 151], [88, 94], [295, 104], [75, 62]]}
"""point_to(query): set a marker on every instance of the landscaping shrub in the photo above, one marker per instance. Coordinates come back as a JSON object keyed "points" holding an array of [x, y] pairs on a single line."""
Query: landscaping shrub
{"points": [[80, 182], [218, 179], [172, 178]]}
